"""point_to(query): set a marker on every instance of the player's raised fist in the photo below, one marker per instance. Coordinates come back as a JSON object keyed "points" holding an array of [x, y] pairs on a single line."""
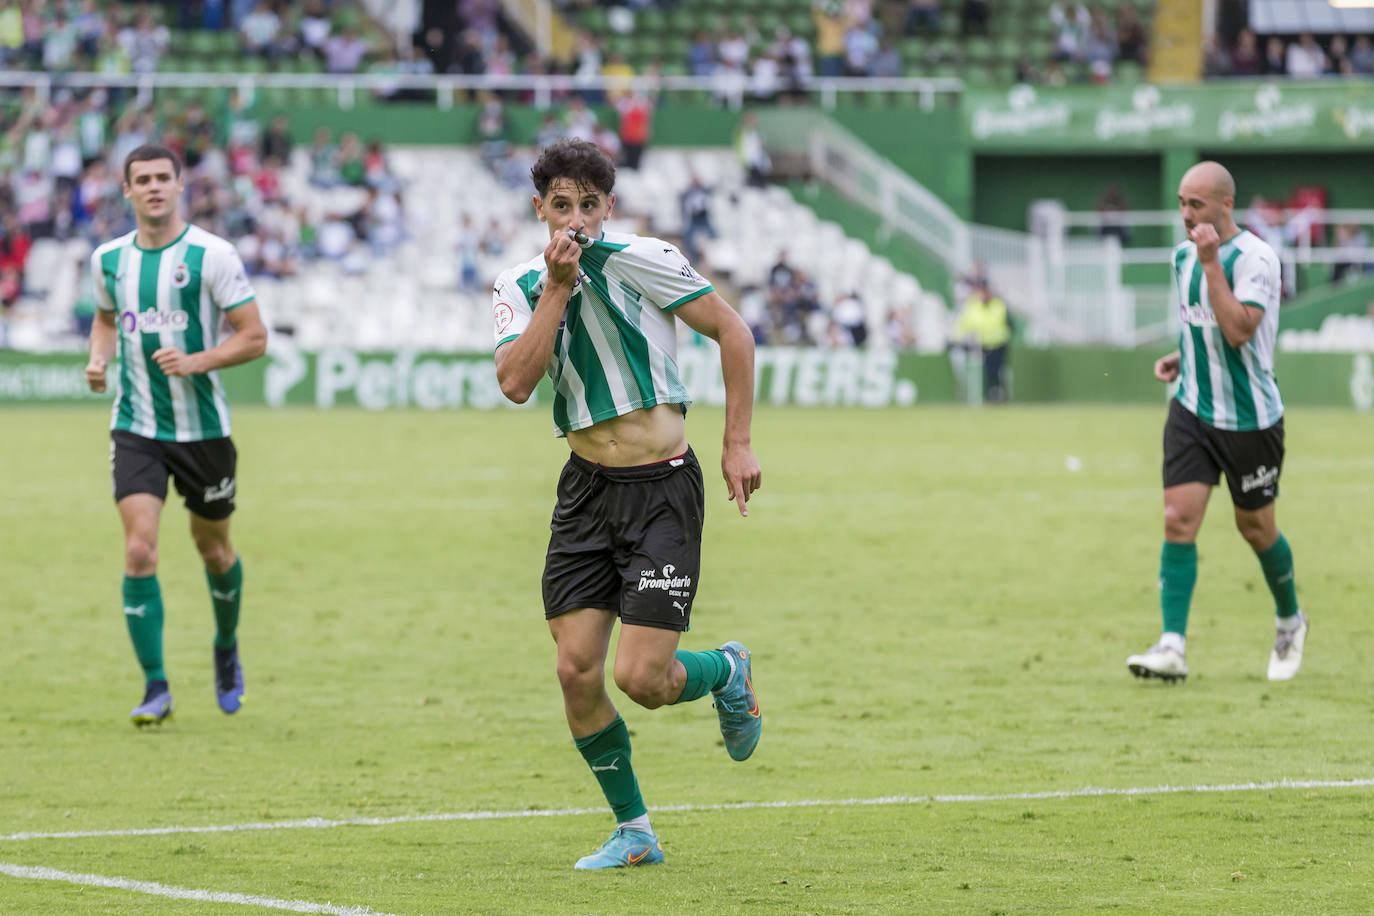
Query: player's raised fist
{"points": [[1204, 235]]}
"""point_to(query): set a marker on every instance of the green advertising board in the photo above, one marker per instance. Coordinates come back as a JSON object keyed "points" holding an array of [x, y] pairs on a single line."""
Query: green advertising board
{"points": [[1226, 115], [785, 376]]}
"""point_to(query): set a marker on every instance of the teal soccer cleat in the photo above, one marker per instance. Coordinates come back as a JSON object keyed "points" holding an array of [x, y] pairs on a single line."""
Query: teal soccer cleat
{"points": [[737, 706], [156, 706], [625, 848]]}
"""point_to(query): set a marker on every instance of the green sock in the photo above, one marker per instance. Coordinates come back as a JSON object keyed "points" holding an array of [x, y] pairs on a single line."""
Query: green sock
{"points": [[706, 671], [608, 754], [226, 591], [1277, 563], [143, 617], [1177, 576]]}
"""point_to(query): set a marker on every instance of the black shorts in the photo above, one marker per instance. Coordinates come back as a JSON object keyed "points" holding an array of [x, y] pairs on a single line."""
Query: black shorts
{"points": [[202, 471], [627, 540], [1195, 452]]}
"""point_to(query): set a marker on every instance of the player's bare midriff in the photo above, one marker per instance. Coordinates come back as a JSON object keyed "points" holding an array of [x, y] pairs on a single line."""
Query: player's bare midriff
{"points": [[640, 437]]}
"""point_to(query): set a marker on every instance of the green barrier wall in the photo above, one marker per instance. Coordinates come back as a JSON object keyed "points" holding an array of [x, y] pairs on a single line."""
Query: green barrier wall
{"points": [[785, 376]]}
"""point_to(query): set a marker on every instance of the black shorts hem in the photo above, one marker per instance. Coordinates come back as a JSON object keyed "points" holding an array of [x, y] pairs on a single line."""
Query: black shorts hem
{"points": [[577, 606], [656, 624]]}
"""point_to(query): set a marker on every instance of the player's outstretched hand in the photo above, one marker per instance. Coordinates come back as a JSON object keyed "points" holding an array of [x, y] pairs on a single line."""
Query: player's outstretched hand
{"points": [[1204, 235], [1166, 367], [562, 255], [742, 475], [174, 362], [95, 374]]}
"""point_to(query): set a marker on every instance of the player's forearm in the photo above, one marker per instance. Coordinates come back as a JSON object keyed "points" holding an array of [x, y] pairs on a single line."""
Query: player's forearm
{"points": [[241, 347], [104, 336], [737, 368], [525, 360], [1233, 317]]}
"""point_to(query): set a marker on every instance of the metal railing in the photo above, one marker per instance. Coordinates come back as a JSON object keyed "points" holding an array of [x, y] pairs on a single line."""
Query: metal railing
{"points": [[731, 90]]}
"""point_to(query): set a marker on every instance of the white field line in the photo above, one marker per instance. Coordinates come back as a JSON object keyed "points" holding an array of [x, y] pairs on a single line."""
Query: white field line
{"points": [[182, 893], [320, 822]]}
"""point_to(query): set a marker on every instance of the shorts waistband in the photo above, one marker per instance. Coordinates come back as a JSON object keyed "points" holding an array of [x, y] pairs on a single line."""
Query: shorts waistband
{"points": [[652, 471]]}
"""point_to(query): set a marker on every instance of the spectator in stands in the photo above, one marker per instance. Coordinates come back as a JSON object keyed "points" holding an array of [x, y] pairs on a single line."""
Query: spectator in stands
{"points": [[608, 141], [15, 244], [753, 308], [1264, 218], [32, 16], [1245, 58], [352, 169], [850, 317], [636, 111], [145, 43], [765, 76], [59, 44], [377, 170], [344, 52], [831, 25], [794, 53], [1071, 21], [1131, 39], [587, 67], [259, 31], [1053, 74], [1338, 60], [860, 47], [493, 133], [1216, 60], [1100, 51], [1362, 56], [752, 152], [1304, 58], [314, 28], [437, 48], [469, 243], [494, 239], [324, 156], [619, 75], [701, 55], [984, 324], [922, 15], [276, 140], [900, 333], [695, 204], [1275, 61], [888, 61], [550, 130], [732, 53], [973, 17], [579, 121], [1353, 242], [782, 274], [11, 34]]}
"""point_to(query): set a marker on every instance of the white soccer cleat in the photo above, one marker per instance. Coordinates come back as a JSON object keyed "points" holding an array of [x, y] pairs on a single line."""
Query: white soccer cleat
{"points": [[1286, 658], [1161, 661]]}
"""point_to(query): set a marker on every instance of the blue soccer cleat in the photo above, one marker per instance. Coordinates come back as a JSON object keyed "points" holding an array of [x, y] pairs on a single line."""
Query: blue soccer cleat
{"points": [[625, 848], [737, 706], [156, 706], [228, 679]]}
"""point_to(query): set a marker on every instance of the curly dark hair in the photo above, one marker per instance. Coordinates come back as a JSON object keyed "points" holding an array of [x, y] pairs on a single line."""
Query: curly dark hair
{"points": [[580, 160]]}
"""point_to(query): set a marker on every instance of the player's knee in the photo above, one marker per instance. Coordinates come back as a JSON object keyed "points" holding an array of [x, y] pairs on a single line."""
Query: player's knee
{"points": [[1256, 532], [1178, 524], [645, 688], [140, 556], [578, 676], [218, 555]]}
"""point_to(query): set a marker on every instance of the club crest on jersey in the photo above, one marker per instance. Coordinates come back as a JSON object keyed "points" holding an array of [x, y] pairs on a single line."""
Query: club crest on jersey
{"points": [[504, 316], [152, 321], [181, 275]]}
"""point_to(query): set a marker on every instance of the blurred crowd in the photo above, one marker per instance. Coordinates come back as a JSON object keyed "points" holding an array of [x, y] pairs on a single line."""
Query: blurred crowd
{"points": [[1303, 57]]}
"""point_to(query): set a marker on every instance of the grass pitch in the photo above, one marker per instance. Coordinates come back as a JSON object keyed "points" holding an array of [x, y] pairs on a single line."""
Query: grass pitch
{"points": [[937, 604]]}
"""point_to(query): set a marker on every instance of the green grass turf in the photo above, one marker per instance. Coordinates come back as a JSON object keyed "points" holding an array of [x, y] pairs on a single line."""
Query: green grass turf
{"points": [[936, 604]]}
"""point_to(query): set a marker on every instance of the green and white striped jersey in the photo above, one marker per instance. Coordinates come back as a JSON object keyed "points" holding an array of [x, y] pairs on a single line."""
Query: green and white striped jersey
{"points": [[173, 296], [616, 349], [1229, 387]]}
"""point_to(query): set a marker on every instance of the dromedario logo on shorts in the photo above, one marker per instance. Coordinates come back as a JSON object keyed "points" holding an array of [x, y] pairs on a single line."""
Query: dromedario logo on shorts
{"points": [[153, 321], [669, 581]]}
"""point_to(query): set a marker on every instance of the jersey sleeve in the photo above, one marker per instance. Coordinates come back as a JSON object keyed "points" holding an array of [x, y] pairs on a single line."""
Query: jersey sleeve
{"points": [[100, 282], [1257, 279], [224, 275], [510, 309], [664, 274]]}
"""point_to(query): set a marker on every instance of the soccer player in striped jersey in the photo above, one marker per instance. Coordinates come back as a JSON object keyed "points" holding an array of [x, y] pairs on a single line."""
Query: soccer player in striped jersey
{"points": [[1227, 417], [597, 311], [163, 291]]}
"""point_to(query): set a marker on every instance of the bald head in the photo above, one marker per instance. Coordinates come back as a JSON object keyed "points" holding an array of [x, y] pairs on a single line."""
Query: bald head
{"points": [[1206, 195], [1211, 178]]}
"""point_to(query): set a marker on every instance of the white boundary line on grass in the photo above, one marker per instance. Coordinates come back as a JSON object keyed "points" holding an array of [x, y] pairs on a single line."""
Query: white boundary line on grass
{"points": [[320, 822], [183, 893]]}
